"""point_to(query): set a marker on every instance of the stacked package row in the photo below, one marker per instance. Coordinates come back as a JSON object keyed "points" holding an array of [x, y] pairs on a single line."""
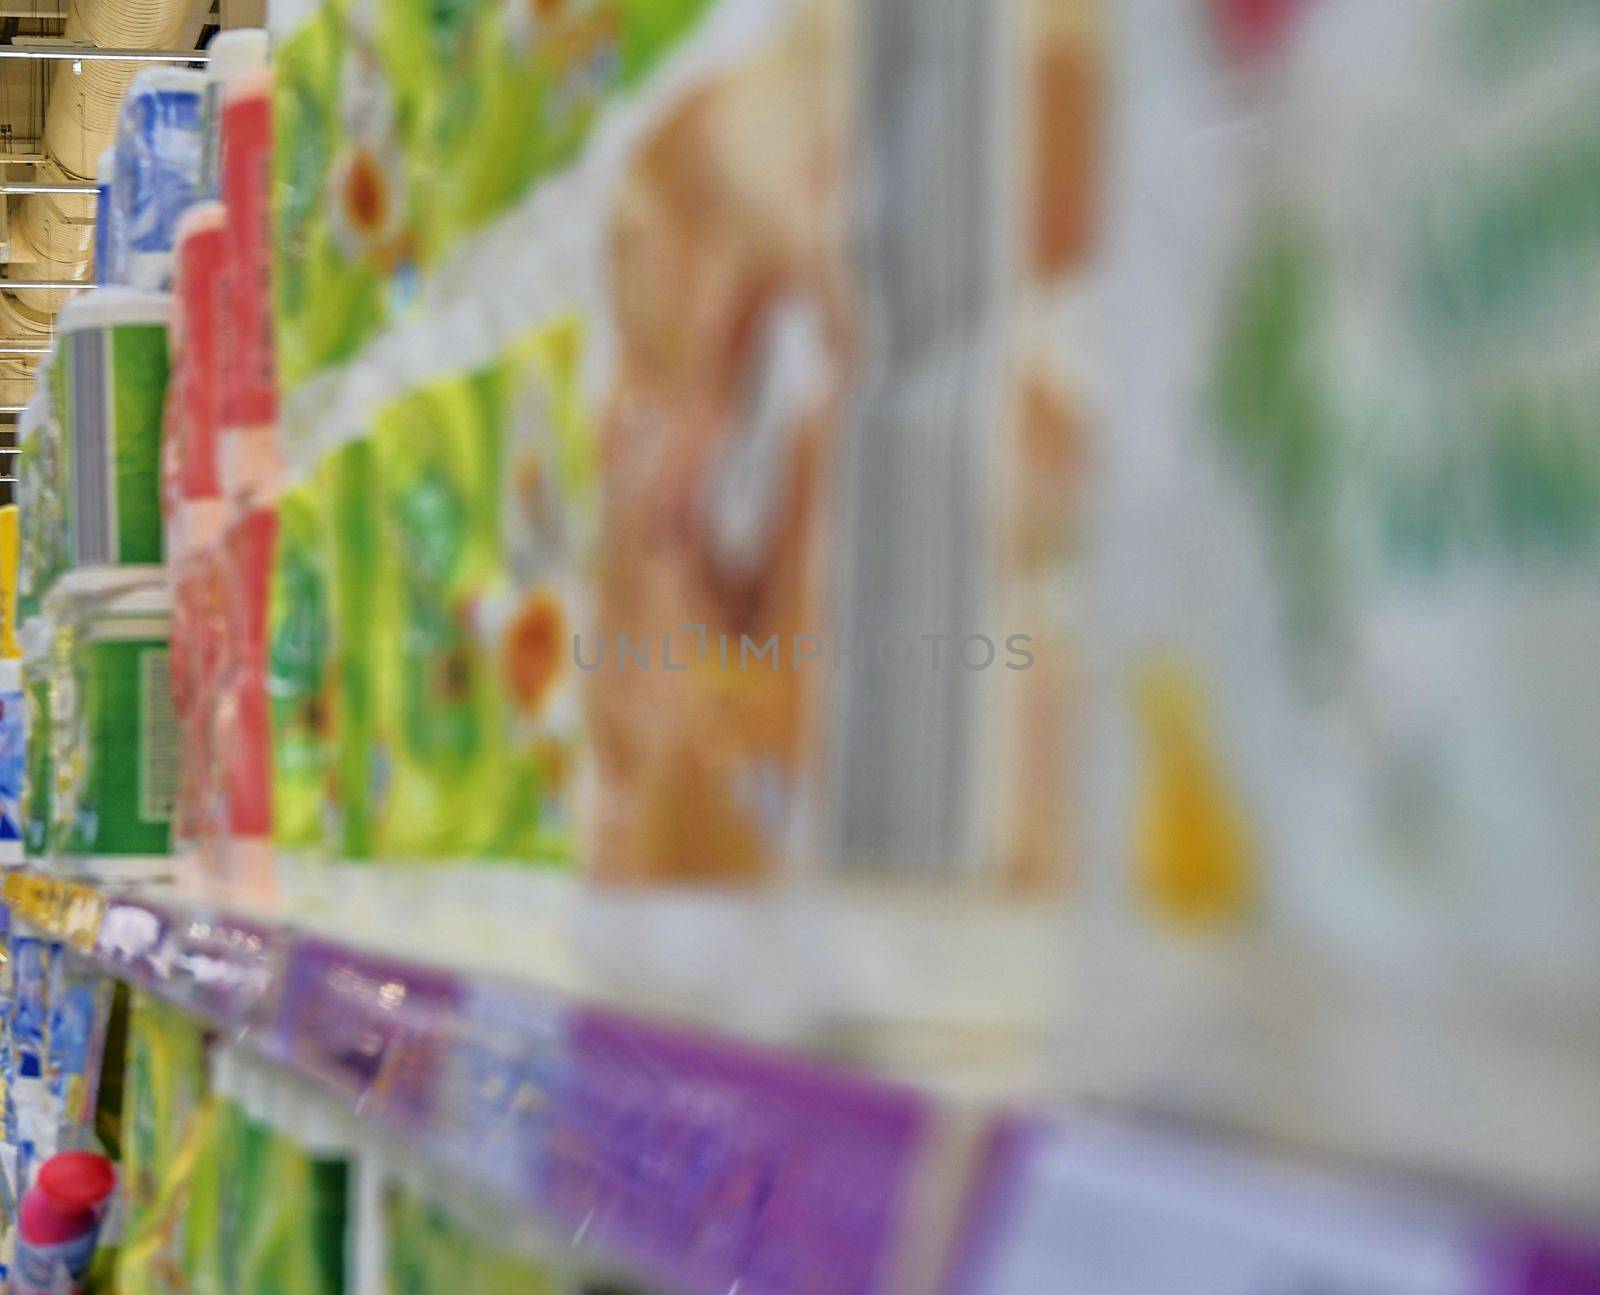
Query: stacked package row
{"points": [[631, 516], [218, 478], [95, 612], [95, 609]]}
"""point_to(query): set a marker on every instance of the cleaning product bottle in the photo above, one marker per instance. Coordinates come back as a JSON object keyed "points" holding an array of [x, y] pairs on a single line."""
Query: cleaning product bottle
{"points": [[59, 1223]]}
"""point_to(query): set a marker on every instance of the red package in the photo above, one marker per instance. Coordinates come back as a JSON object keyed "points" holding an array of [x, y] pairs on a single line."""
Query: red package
{"points": [[251, 397], [199, 639], [243, 716], [197, 283]]}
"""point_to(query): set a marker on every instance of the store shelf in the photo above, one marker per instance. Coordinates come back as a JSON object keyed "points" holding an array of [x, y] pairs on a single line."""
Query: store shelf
{"points": [[698, 1161], [701, 1162]]}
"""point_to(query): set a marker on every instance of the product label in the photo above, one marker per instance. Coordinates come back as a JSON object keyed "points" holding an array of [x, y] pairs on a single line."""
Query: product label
{"points": [[1123, 1213], [138, 406], [92, 520], [117, 753], [115, 382]]}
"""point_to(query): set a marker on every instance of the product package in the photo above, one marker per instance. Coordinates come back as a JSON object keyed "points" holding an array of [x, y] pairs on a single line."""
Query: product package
{"points": [[198, 648], [432, 1251], [483, 485], [10, 1195], [10, 541], [769, 589], [295, 1237], [60, 1224], [80, 1010], [713, 648], [196, 382], [250, 400], [243, 712], [1043, 475], [108, 381], [400, 130], [113, 733], [432, 554], [423, 705], [13, 759], [110, 248], [157, 172], [222, 1178], [356, 778], [163, 1102], [1344, 822], [272, 1189], [233, 52], [30, 1121], [41, 539], [38, 780], [301, 681]]}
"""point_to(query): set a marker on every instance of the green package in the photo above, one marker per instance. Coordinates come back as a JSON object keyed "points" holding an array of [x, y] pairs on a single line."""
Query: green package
{"points": [[215, 1178], [113, 736], [326, 300], [41, 539], [436, 551], [432, 1253], [163, 1127], [402, 125], [485, 486], [292, 1234], [39, 777], [244, 1150], [300, 682], [547, 485], [348, 482], [321, 607], [490, 98], [108, 382]]}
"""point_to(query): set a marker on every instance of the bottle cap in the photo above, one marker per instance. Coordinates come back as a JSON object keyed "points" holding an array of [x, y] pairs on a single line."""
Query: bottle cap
{"points": [[77, 1179]]}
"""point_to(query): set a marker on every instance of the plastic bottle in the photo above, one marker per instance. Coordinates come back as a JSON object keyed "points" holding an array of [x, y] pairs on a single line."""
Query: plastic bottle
{"points": [[59, 1224]]}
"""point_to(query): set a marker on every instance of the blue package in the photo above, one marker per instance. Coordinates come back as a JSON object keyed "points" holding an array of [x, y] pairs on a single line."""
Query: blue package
{"points": [[108, 249], [30, 986], [79, 1003], [157, 173], [13, 755]]}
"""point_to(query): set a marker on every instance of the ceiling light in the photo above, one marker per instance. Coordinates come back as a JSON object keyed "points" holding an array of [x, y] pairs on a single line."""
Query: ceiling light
{"points": [[44, 285], [94, 54], [27, 186]]}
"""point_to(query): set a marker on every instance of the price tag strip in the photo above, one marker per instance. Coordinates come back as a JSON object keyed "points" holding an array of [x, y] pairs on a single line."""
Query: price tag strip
{"points": [[1119, 1209]]}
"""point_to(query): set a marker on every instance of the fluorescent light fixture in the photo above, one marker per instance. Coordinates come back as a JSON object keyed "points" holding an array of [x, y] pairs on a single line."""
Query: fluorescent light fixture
{"points": [[25, 186], [44, 285], [23, 350], [96, 54], [11, 409]]}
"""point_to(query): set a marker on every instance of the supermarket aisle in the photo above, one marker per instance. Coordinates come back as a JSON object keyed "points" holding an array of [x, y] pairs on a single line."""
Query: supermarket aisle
{"points": [[800, 646]]}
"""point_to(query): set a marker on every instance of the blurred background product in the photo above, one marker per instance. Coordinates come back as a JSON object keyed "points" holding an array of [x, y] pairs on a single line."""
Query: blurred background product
{"points": [[798, 646]]}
